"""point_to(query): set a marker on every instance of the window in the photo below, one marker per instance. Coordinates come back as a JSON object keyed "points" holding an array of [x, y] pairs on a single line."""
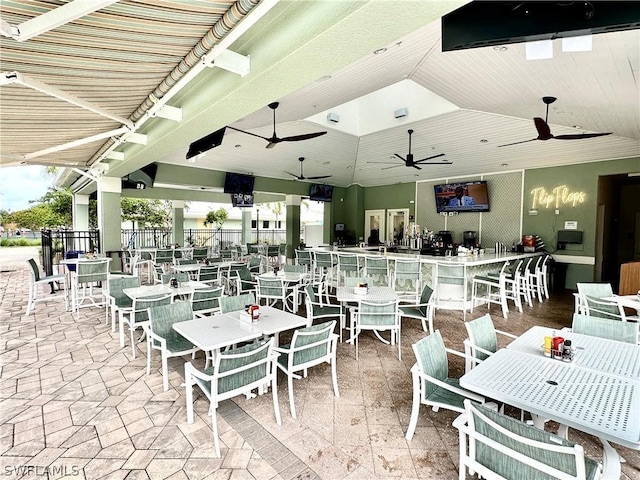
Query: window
{"points": [[279, 224], [254, 224], [265, 224]]}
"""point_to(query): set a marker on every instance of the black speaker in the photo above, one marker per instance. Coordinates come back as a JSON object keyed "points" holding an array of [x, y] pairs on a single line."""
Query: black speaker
{"points": [[206, 143]]}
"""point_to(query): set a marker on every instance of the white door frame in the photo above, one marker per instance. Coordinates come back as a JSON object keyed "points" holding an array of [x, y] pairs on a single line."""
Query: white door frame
{"points": [[381, 214], [392, 213]]}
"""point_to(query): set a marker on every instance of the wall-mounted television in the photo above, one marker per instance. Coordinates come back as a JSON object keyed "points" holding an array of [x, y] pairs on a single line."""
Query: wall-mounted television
{"points": [[238, 183], [242, 200], [320, 193], [339, 227], [462, 197]]}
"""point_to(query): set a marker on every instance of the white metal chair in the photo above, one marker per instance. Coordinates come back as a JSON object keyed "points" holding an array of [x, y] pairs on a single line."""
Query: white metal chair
{"points": [[431, 383], [161, 335], [378, 317], [309, 347], [318, 310], [87, 275], [138, 315], [206, 301], [495, 446], [236, 303], [210, 274], [36, 281], [606, 328], [348, 266], [496, 290], [482, 340], [407, 279], [236, 371], [451, 287], [271, 290], [423, 310], [115, 297], [377, 268]]}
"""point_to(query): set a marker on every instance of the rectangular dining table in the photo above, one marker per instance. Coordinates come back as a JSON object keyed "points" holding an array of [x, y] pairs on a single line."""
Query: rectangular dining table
{"points": [[184, 288], [273, 321], [596, 393]]}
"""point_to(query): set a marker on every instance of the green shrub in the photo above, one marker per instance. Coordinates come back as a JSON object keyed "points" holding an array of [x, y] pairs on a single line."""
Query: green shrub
{"points": [[19, 242]]}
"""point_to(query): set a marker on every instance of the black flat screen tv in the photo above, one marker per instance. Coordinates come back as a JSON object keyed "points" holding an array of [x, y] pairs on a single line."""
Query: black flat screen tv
{"points": [[242, 200], [238, 183], [320, 193], [462, 197]]}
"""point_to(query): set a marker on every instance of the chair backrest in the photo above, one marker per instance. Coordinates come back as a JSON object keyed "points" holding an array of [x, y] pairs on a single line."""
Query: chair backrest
{"points": [[311, 345], [116, 285], [323, 259], [303, 257], [255, 264], [35, 270], [141, 306], [598, 307], [407, 269], [239, 368], [164, 255], [294, 268], [226, 254], [208, 273], [605, 328], [93, 271], [244, 273], [311, 294], [237, 302], [425, 297], [186, 261], [482, 333], [451, 273], [376, 266], [270, 287], [596, 290], [513, 449], [179, 276], [206, 299], [273, 250], [512, 268], [431, 357], [162, 318], [348, 262], [354, 281], [199, 253], [378, 314]]}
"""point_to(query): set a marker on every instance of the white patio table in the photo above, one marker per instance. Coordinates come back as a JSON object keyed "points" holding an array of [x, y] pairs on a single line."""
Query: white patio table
{"points": [[587, 394], [185, 288], [273, 321], [629, 301]]}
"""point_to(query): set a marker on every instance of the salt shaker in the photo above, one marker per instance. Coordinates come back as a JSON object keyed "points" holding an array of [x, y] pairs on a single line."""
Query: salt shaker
{"points": [[567, 351]]}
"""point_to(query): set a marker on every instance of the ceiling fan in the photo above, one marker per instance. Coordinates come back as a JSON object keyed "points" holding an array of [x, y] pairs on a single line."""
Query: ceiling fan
{"points": [[410, 162], [302, 177], [544, 132], [274, 140]]}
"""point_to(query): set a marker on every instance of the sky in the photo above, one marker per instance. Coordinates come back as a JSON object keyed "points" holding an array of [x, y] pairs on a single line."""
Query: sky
{"points": [[18, 185]]}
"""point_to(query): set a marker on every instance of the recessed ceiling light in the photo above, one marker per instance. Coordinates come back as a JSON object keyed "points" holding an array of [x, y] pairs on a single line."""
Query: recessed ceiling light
{"points": [[504, 164], [324, 78], [500, 48], [484, 140], [379, 51], [392, 157], [577, 126], [348, 167], [238, 145], [326, 163]]}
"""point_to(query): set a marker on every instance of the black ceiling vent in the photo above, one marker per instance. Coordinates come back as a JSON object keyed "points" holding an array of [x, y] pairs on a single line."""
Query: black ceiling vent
{"points": [[206, 143], [487, 23]]}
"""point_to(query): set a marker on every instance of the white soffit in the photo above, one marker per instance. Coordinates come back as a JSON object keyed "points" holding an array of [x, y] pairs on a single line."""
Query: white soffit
{"points": [[374, 112]]}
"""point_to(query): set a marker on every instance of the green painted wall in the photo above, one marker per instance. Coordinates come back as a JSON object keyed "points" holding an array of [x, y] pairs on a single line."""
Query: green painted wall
{"points": [[391, 197], [577, 178]]}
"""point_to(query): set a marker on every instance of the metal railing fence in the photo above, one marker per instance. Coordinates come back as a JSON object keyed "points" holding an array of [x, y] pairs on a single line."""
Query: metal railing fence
{"points": [[162, 237], [60, 244]]}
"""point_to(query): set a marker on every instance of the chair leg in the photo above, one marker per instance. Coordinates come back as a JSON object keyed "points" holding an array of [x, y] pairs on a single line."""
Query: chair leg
{"points": [[274, 394], [188, 385], [415, 409], [214, 424], [292, 405], [334, 374], [165, 371], [121, 328], [149, 348], [133, 343]]}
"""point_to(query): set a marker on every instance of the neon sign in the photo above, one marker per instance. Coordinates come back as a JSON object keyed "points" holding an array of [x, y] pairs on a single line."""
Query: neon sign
{"points": [[561, 195]]}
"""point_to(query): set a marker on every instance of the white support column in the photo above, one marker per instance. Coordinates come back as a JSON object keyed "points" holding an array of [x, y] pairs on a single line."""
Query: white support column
{"points": [[80, 212], [178, 222], [109, 216], [246, 226]]}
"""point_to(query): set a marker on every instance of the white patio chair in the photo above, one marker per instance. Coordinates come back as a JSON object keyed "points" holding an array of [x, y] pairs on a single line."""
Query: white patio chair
{"points": [[206, 301], [161, 335], [378, 317], [431, 383], [89, 275], [36, 281], [606, 328], [495, 446], [115, 297], [482, 340], [237, 371], [423, 310], [309, 347], [138, 315]]}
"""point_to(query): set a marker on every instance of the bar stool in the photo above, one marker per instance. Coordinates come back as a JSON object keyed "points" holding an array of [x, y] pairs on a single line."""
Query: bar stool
{"points": [[496, 290]]}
